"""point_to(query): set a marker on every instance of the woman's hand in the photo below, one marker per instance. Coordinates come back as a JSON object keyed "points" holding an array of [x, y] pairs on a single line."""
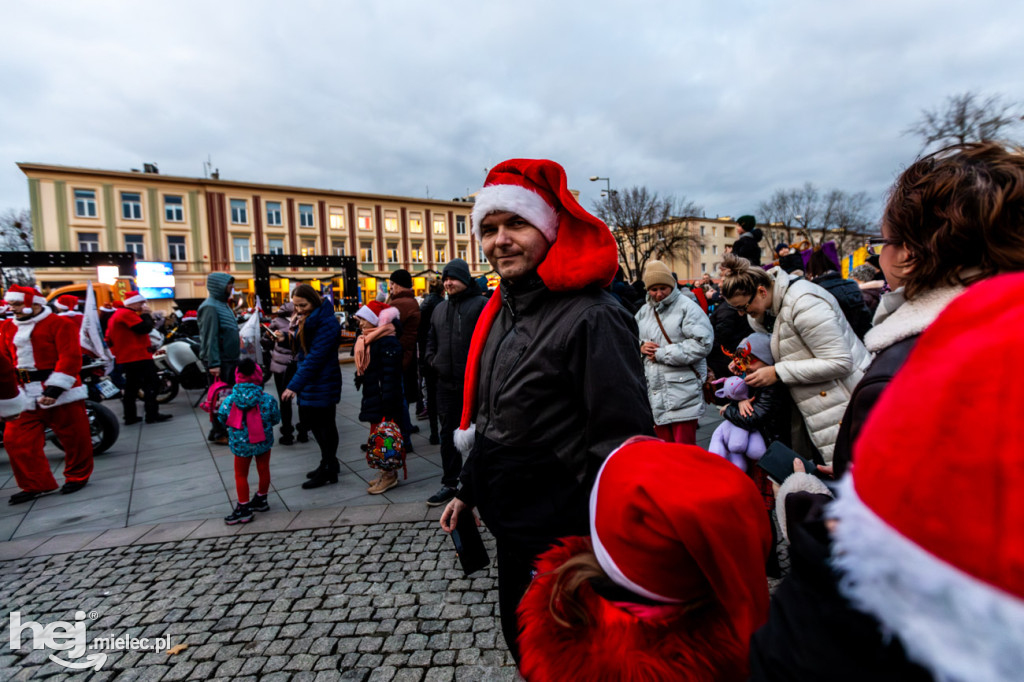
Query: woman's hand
{"points": [[723, 408], [746, 407], [648, 348], [760, 378], [288, 394], [450, 515]]}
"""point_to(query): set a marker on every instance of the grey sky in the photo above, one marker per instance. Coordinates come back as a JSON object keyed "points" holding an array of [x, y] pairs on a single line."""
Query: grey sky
{"points": [[721, 103]]}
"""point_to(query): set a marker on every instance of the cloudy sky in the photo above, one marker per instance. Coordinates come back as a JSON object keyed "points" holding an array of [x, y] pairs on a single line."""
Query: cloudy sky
{"points": [[718, 102]]}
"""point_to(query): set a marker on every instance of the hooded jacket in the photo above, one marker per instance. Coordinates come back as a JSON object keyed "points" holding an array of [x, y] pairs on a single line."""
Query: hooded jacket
{"points": [[747, 246], [382, 382], [409, 311], [676, 375], [218, 327], [283, 353], [317, 379], [248, 397], [451, 330], [817, 354]]}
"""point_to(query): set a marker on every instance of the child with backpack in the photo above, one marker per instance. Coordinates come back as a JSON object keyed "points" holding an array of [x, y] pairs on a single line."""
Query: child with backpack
{"points": [[250, 416]]}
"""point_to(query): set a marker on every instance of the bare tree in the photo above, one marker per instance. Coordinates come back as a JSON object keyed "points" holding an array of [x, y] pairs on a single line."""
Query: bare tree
{"points": [[16, 235], [807, 213], [648, 227], [967, 117]]}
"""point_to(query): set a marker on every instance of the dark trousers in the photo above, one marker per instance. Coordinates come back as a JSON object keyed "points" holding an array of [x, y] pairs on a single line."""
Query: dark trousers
{"points": [[430, 384], [449, 406], [325, 430], [281, 380], [140, 374], [515, 571]]}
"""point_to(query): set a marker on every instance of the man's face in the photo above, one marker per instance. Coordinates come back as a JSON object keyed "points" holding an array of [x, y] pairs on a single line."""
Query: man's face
{"points": [[398, 288], [137, 307], [25, 313], [453, 286], [513, 246]]}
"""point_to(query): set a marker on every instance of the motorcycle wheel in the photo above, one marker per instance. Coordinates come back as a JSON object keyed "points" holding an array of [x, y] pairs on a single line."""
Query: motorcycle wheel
{"points": [[168, 388], [103, 426]]}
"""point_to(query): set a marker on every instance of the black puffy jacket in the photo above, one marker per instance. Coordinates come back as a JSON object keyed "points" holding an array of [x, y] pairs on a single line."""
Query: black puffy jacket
{"points": [[451, 330], [382, 381], [747, 246], [847, 293]]}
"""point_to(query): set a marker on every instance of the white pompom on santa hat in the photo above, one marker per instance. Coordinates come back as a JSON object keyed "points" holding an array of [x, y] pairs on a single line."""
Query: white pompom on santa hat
{"points": [[22, 297], [930, 538]]}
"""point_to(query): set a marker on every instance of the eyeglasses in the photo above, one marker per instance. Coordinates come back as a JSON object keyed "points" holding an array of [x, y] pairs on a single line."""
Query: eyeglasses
{"points": [[883, 241], [743, 308]]}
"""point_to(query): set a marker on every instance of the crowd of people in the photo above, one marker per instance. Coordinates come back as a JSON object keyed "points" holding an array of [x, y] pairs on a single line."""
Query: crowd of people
{"points": [[566, 405]]}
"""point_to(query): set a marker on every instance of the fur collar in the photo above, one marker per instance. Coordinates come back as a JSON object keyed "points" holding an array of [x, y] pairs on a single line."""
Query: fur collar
{"points": [[698, 645], [25, 355], [31, 321], [907, 318]]}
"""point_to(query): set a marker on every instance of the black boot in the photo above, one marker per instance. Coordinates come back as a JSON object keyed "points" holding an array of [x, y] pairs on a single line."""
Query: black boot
{"points": [[327, 473], [316, 472]]}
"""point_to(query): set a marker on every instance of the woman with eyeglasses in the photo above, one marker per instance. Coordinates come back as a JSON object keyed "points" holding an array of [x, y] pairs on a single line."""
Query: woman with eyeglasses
{"points": [[818, 355], [953, 218]]}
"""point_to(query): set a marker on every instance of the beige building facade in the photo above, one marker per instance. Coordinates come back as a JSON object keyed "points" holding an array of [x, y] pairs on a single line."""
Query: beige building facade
{"points": [[202, 225]]}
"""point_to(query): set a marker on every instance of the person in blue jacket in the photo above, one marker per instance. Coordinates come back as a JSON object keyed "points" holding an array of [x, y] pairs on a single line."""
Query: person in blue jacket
{"points": [[317, 380]]}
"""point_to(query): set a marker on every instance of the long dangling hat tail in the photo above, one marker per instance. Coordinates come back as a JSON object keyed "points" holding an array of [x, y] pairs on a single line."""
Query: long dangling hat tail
{"points": [[466, 434]]}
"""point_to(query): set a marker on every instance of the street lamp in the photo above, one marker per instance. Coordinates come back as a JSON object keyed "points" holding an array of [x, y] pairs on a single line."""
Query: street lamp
{"points": [[608, 192]]}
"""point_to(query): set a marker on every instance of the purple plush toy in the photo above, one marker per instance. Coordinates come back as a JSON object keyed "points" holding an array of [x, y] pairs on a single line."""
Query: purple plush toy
{"points": [[731, 441]]}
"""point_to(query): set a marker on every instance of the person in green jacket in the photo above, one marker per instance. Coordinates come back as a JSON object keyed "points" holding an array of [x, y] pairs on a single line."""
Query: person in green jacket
{"points": [[218, 336]]}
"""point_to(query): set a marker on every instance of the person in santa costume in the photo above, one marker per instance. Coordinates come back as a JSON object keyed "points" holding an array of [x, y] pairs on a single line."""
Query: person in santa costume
{"points": [[45, 350], [916, 570], [553, 377], [128, 338], [669, 585], [67, 306]]}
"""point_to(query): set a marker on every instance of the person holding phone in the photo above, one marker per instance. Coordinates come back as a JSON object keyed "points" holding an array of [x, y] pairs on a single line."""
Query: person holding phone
{"points": [[284, 328]]}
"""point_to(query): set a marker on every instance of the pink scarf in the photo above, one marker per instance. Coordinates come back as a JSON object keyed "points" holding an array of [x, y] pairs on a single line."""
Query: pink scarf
{"points": [[253, 418], [363, 345]]}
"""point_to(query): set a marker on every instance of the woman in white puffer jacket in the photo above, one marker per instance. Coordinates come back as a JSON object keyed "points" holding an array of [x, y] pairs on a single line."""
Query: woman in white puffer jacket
{"points": [[818, 355], [675, 366]]}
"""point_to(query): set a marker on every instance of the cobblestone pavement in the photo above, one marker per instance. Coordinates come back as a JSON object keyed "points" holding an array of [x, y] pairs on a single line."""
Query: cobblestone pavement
{"points": [[377, 603]]}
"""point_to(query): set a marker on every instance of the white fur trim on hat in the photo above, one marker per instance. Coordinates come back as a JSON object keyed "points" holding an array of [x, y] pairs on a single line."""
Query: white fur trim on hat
{"points": [[61, 380], [59, 306], [604, 558], [135, 298], [464, 439], [368, 315], [795, 483], [10, 407], [14, 297], [957, 626], [523, 202]]}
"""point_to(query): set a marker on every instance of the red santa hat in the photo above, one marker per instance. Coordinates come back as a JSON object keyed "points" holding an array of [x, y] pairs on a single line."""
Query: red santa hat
{"points": [[117, 304], [66, 302], [371, 312], [190, 315], [674, 548], [22, 297], [133, 298], [930, 538], [582, 252]]}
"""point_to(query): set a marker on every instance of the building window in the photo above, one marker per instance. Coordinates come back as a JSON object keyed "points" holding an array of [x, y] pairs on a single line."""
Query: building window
{"points": [[392, 253], [364, 219], [460, 224], [241, 245], [275, 246], [703, 249], [274, 213], [440, 254], [439, 225], [88, 241], [131, 205], [85, 203], [337, 219], [305, 215], [416, 255], [308, 247], [462, 252], [175, 247], [391, 221], [239, 212], [338, 248], [416, 222], [701, 230], [703, 267], [366, 252], [482, 257], [714, 231], [714, 249], [174, 209], [133, 243]]}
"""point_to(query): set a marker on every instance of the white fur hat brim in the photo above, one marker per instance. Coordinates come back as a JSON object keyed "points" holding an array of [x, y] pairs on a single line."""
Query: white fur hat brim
{"points": [[523, 202]]}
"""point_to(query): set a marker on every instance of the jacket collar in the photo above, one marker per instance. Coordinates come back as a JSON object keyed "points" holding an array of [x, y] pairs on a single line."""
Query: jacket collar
{"points": [[666, 302], [43, 314], [898, 319]]}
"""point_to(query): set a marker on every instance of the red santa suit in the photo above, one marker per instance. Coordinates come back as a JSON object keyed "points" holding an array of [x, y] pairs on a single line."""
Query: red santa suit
{"points": [[46, 352], [67, 305]]}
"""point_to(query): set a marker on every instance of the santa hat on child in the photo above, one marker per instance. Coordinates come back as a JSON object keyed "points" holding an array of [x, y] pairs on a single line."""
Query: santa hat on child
{"points": [[930, 538], [133, 298], [66, 302], [22, 297], [372, 311], [582, 251]]}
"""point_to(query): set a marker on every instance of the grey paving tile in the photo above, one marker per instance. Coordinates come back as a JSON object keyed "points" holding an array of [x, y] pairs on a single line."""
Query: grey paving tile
{"points": [[168, 532], [358, 516], [86, 514], [101, 486], [396, 513], [117, 537], [62, 544], [9, 523], [15, 549], [314, 518], [267, 522], [197, 507], [213, 528]]}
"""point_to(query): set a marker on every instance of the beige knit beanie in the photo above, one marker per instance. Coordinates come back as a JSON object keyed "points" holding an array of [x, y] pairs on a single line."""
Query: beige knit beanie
{"points": [[657, 272]]}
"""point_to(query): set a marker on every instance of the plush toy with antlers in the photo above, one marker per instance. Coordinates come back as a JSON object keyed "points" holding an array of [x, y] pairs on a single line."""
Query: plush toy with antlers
{"points": [[730, 441]]}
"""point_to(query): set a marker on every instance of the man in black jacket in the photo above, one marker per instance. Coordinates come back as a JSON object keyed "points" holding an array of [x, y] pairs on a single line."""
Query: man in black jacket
{"points": [[451, 329], [554, 380], [750, 236]]}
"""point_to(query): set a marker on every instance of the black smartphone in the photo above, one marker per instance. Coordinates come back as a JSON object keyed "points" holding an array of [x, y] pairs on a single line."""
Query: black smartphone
{"points": [[778, 462], [469, 546]]}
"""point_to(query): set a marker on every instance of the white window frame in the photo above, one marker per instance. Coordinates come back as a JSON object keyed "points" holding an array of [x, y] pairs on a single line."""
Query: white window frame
{"points": [[440, 253], [439, 220], [85, 206], [338, 224], [239, 212], [246, 253], [366, 252], [391, 221], [274, 214], [174, 212], [460, 225], [136, 247], [307, 250], [392, 254], [177, 248], [462, 251], [91, 242], [306, 218], [131, 209], [275, 250], [416, 254], [415, 222], [338, 247], [364, 216]]}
